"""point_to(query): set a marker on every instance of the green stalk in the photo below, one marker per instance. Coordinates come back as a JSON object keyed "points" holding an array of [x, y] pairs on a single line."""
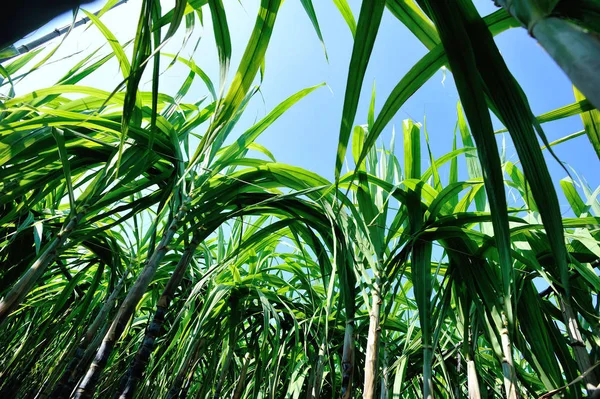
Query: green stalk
{"points": [[575, 49], [48, 330], [192, 358], [314, 390], [384, 375], [234, 319], [468, 346], [372, 343], [64, 386], [56, 371], [153, 332], [348, 360], [427, 376], [581, 354], [22, 287], [239, 388], [88, 384], [507, 364]]}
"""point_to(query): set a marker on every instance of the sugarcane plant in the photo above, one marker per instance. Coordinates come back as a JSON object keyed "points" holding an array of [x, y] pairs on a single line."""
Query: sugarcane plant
{"points": [[150, 247]]}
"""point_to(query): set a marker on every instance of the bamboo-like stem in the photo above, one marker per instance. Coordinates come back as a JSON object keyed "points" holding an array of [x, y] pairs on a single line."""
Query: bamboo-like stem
{"points": [[239, 388], [575, 49], [316, 389], [316, 375], [427, 376], [194, 355], [348, 360], [458, 371], [372, 344], [136, 371], [472, 382], [233, 321], [507, 364], [384, 376], [64, 386], [421, 258], [581, 355], [22, 287], [87, 386], [42, 337], [472, 378]]}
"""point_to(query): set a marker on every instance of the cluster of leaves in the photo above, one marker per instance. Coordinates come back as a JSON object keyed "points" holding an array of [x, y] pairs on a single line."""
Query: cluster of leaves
{"points": [[132, 266]]}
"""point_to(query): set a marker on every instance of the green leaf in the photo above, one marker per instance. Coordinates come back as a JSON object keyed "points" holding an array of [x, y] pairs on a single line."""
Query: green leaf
{"points": [[473, 165], [197, 70], [59, 136], [113, 42], [222, 38], [344, 9], [368, 25], [461, 59], [412, 149], [310, 11], [424, 69], [579, 107], [233, 151], [409, 13], [591, 122], [514, 110], [570, 192], [251, 60]]}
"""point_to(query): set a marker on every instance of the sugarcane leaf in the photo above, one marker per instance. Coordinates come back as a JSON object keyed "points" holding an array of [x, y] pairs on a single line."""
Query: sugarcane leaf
{"points": [[344, 9], [468, 82], [310, 11], [222, 36], [64, 158], [591, 122], [251, 60], [516, 114], [369, 19], [409, 13]]}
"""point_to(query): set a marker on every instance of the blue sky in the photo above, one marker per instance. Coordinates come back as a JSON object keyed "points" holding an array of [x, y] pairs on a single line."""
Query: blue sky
{"points": [[307, 135]]}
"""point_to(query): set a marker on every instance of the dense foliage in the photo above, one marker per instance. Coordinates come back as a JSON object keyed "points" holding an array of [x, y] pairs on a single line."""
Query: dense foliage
{"points": [[150, 248]]}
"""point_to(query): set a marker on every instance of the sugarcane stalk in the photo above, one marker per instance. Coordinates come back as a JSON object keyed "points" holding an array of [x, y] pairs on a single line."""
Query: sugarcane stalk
{"points": [[427, 376], [472, 382], [311, 383], [348, 360], [40, 339], [239, 388], [507, 363], [233, 320], [458, 371], [25, 284], [581, 355], [372, 344], [472, 379], [314, 390], [194, 355], [87, 386], [64, 385], [188, 380], [154, 330], [384, 376], [574, 48]]}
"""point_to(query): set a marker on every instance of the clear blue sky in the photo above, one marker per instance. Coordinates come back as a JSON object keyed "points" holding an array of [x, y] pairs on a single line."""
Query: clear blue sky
{"points": [[307, 135]]}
